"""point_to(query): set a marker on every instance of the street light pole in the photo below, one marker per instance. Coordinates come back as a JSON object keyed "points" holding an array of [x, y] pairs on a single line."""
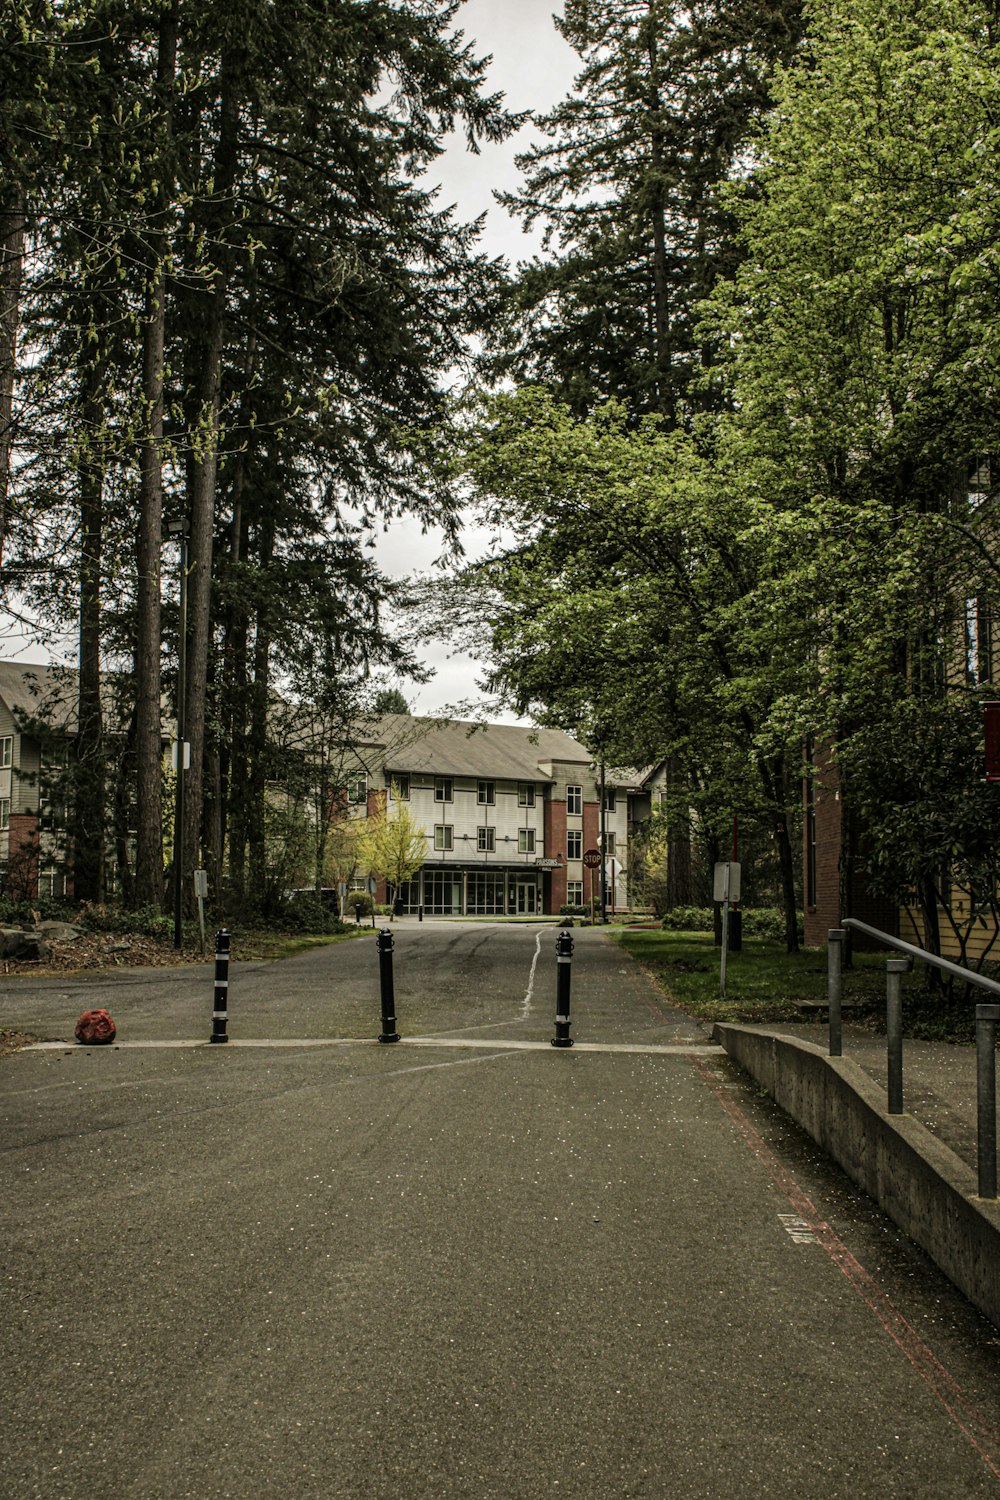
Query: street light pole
{"points": [[604, 849], [180, 529]]}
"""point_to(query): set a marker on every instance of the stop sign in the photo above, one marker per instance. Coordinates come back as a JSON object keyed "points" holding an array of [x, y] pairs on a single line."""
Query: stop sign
{"points": [[592, 858]]}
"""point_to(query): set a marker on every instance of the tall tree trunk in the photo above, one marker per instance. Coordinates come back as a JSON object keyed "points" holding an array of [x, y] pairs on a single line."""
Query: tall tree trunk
{"points": [[149, 728], [661, 308], [89, 774], [205, 461], [11, 272]]}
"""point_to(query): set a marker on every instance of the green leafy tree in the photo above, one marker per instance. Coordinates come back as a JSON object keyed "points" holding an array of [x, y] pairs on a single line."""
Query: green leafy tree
{"points": [[393, 845]]}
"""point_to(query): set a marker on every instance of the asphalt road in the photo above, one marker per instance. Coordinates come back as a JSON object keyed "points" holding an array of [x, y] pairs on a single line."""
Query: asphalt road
{"points": [[464, 1266]]}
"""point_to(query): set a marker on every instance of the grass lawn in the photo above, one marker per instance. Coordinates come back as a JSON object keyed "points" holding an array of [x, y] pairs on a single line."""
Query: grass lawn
{"points": [[764, 983]]}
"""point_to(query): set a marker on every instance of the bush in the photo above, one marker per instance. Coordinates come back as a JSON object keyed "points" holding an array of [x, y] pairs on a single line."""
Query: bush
{"points": [[149, 921], [358, 904], [574, 911], [688, 919], [764, 922], [302, 912]]}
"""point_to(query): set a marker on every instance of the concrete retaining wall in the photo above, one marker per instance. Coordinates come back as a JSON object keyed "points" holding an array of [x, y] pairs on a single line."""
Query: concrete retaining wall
{"points": [[916, 1180]]}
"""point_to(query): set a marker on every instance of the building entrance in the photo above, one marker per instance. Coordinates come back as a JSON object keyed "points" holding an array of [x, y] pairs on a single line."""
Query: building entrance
{"points": [[527, 899]]}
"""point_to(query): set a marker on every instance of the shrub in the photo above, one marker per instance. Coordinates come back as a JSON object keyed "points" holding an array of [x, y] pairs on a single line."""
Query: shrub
{"points": [[688, 919], [574, 911]]}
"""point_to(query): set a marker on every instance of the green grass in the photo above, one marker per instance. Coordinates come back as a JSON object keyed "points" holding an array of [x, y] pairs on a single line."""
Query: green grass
{"points": [[766, 984]]}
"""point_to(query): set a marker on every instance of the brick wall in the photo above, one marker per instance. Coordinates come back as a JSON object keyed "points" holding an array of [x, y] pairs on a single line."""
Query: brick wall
{"points": [[825, 910], [22, 858], [555, 847]]}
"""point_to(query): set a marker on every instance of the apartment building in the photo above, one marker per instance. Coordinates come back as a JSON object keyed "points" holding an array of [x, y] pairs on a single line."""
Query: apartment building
{"points": [[508, 814], [32, 771]]}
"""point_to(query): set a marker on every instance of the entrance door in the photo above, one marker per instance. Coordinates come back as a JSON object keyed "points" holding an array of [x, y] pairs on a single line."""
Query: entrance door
{"points": [[527, 899]]}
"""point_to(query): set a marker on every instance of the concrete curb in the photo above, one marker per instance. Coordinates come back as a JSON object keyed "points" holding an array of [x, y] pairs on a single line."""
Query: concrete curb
{"points": [[919, 1182]]}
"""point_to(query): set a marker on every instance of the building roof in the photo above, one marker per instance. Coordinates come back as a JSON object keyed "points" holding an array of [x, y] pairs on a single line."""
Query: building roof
{"points": [[32, 688], [450, 747]]}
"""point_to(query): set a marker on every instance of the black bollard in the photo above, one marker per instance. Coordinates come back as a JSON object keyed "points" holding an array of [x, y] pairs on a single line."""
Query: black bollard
{"points": [[385, 946], [564, 960], [220, 1011]]}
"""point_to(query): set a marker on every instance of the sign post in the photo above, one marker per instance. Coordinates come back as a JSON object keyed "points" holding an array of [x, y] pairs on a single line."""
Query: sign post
{"points": [[727, 889], [592, 862]]}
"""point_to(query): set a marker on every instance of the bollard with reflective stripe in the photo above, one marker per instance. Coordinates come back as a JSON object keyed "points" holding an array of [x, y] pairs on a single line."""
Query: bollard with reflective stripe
{"points": [[385, 946], [564, 959], [220, 1009]]}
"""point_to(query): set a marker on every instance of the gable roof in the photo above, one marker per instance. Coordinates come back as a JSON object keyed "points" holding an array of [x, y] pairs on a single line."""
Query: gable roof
{"points": [[33, 687], [450, 747]]}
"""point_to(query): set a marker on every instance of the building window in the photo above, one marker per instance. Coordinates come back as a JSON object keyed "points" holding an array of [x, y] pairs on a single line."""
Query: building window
{"points": [[486, 839], [443, 790], [4, 814], [609, 799], [6, 751], [574, 800], [574, 844], [574, 893], [609, 845], [486, 793], [525, 794], [526, 841], [443, 836], [399, 788], [357, 787]]}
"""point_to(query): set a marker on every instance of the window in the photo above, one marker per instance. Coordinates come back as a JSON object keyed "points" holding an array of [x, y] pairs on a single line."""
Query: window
{"points": [[357, 787], [525, 794], [6, 751], [526, 841], [574, 893], [574, 844], [443, 790], [444, 837], [486, 793], [574, 800], [399, 788], [609, 799], [4, 814], [609, 845], [486, 839]]}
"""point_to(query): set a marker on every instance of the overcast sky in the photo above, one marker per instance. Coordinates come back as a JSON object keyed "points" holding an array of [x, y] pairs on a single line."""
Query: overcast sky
{"points": [[534, 67]]}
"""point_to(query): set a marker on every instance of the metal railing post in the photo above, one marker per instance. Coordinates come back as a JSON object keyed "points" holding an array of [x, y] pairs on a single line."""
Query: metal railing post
{"points": [[835, 940], [895, 968], [987, 1017]]}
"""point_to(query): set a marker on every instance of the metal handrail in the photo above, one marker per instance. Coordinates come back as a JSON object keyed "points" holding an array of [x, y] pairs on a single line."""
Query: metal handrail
{"points": [[987, 1020], [912, 951]]}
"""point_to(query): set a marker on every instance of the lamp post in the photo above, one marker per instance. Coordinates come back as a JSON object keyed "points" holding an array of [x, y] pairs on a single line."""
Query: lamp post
{"points": [[604, 847], [180, 530]]}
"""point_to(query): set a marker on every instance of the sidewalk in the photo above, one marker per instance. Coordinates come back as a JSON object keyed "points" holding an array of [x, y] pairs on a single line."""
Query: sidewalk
{"points": [[919, 1166]]}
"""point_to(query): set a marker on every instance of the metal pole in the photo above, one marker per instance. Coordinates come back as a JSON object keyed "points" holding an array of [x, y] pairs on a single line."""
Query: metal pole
{"points": [[835, 940], [181, 741], [220, 1007], [725, 939], [385, 946], [895, 968], [604, 853], [564, 960], [987, 1017]]}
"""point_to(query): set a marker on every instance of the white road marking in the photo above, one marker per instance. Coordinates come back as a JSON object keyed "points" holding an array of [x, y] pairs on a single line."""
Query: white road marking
{"points": [[670, 1049], [526, 1002]]}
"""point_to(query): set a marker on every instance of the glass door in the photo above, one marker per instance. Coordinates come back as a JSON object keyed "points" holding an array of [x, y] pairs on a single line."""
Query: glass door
{"points": [[527, 899]]}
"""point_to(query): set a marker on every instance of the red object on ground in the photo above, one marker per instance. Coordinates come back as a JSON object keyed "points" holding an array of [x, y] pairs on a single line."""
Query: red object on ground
{"points": [[95, 1027]]}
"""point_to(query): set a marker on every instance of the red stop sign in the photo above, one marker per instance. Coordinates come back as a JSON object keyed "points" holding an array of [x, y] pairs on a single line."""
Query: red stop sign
{"points": [[592, 857]]}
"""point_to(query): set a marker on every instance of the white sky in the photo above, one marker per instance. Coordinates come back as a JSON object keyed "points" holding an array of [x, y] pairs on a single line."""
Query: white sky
{"points": [[534, 68]]}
